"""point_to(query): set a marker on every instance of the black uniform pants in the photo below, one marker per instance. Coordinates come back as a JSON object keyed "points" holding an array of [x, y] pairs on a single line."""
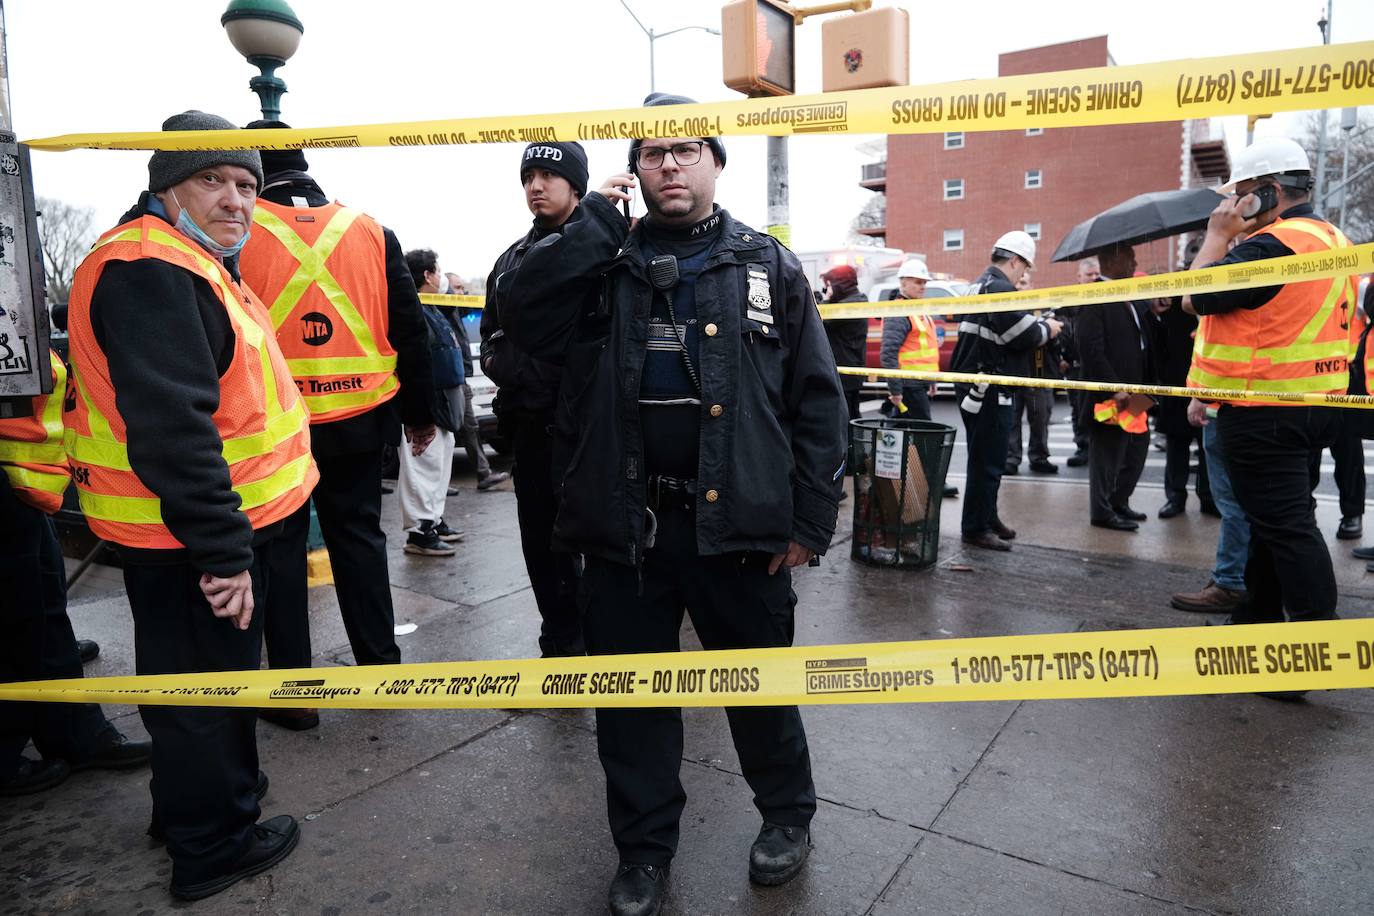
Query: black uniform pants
{"points": [[552, 574], [1081, 408], [1348, 454], [734, 604], [1115, 460], [987, 432], [1037, 404], [1267, 455], [39, 642], [348, 501], [916, 400], [205, 759], [1178, 460]]}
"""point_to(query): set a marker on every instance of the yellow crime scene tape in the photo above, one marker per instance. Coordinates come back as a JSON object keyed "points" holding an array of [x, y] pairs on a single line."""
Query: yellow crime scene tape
{"points": [[1323, 265], [449, 300], [1325, 655], [1360, 401], [1324, 76]]}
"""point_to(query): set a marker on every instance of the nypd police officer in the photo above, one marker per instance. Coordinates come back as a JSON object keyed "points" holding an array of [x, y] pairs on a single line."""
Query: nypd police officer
{"points": [[700, 446]]}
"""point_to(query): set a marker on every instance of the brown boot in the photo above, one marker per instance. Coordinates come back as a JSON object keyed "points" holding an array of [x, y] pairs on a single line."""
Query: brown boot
{"points": [[1213, 599]]}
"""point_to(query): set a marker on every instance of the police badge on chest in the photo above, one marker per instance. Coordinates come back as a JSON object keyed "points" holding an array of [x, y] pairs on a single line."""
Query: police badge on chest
{"points": [[759, 295]]}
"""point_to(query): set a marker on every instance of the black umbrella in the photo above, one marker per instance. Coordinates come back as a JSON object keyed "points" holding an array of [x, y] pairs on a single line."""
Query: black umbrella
{"points": [[1143, 218]]}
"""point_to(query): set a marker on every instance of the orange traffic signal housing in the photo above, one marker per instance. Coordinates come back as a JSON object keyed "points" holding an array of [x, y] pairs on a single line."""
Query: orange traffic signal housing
{"points": [[866, 50], [758, 47]]}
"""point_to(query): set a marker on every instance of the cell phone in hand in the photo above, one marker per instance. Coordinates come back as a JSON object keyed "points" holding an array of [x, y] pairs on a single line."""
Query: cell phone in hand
{"points": [[1265, 198]]}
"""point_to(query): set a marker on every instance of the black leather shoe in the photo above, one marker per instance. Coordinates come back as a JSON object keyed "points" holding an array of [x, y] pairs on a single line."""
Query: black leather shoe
{"points": [[1010, 470], [1044, 467], [297, 720], [1351, 528], [951, 492], [1210, 508], [1116, 523], [1369, 567], [272, 841], [1077, 460], [118, 754], [1363, 553], [638, 890], [155, 826], [88, 650], [987, 540], [1170, 509], [1128, 512], [34, 776], [1002, 531], [778, 854]]}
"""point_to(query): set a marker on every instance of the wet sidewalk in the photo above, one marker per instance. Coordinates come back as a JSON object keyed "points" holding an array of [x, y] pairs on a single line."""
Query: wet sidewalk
{"points": [[1229, 804]]}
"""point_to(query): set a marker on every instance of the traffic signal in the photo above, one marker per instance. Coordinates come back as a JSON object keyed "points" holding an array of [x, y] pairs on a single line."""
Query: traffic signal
{"points": [[758, 47], [866, 50]]}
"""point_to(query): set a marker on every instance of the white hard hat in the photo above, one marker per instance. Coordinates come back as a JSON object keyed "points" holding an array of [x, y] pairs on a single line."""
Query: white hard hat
{"points": [[1270, 156], [913, 268], [1019, 243]]}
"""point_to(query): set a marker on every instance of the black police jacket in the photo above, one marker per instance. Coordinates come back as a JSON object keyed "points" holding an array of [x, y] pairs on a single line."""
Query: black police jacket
{"points": [[997, 343], [523, 382], [772, 444]]}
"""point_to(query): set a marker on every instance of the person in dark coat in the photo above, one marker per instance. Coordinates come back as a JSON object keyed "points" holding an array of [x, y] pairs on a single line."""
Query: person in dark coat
{"points": [[848, 336], [1115, 343], [1174, 339]]}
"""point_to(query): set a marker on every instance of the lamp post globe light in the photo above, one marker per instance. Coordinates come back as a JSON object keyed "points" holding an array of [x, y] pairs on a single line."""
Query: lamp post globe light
{"points": [[267, 33]]}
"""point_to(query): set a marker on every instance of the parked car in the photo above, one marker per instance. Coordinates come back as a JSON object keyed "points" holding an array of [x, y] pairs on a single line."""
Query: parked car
{"points": [[483, 388]]}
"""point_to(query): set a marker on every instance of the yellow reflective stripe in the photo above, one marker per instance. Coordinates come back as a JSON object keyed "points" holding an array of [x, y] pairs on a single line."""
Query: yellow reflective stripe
{"points": [[341, 365], [324, 403], [1318, 321], [114, 455], [1328, 381], [312, 269], [30, 479], [49, 452], [211, 270], [147, 510], [100, 427], [1298, 353], [1227, 352]]}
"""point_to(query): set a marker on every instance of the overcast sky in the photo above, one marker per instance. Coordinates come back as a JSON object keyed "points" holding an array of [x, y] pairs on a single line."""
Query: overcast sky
{"points": [[91, 65]]}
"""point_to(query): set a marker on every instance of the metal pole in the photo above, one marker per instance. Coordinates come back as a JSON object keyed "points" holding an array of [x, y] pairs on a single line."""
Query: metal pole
{"points": [[1320, 184], [779, 225], [1345, 178], [651, 62], [4, 74]]}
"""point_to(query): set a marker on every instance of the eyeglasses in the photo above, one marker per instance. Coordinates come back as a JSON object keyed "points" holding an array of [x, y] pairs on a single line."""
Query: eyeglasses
{"points": [[686, 153]]}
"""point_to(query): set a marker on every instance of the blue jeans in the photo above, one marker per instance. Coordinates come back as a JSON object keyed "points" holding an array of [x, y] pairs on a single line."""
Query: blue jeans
{"points": [[987, 433], [1234, 543]]}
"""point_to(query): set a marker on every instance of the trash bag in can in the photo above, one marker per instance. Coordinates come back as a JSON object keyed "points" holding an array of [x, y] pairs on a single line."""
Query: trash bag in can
{"points": [[899, 469]]}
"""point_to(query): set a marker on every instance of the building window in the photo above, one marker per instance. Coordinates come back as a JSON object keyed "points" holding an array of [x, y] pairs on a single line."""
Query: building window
{"points": [[954, 240], [954, 189], [954, 140], [1033, 230], [1033, 178], [1034, 131]]}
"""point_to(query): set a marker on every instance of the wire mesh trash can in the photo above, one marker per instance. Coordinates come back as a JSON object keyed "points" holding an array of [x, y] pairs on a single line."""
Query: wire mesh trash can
{"points": [[899, 469]]}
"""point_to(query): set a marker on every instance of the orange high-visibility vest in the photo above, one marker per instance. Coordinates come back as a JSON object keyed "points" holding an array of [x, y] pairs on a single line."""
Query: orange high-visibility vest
{"points": [[262, 421], [1298, 342], [1132, 421], [31, 451], [921, 349], [321, 271]]}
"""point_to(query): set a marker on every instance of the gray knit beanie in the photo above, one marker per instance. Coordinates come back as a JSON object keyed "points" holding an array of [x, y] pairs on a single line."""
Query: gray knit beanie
{"points": [[653, 100], [169, 167]]}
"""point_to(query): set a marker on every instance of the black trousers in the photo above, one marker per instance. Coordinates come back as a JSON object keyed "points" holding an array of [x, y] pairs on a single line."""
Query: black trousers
{"points": [[851, 400], [734, 604], [987, 432], [1115, 460], [348, 500], [1037, 404], [205, 759], [39, 642], [916, 400], [1081, 408], [1178, 460], [1267, 455], [1347, 453], [552, 574]]}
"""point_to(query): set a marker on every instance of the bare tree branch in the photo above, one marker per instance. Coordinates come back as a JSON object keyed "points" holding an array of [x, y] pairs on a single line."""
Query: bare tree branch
{"points": [[66, 234]]}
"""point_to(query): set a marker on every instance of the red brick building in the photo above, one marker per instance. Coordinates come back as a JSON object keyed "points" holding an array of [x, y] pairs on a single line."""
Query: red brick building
{"points": [[951, 195]]}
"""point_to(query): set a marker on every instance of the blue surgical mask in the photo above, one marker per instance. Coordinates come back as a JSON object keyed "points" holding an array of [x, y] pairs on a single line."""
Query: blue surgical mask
{"points": [[187, 227]]}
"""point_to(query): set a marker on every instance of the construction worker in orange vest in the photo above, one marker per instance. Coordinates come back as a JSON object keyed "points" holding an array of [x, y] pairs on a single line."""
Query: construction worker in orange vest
{"points": [[348, 322], [1294, 339], [39, 642], [189, 445]]}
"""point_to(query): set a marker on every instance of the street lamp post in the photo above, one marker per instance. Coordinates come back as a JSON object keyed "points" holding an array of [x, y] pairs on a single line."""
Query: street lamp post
{"points": [[655, 36], [267, 33]]}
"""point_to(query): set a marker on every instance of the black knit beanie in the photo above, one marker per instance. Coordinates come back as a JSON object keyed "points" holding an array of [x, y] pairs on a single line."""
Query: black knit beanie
{"points": [[568, 159], [169, 167], [275, 161], [655, 99]]}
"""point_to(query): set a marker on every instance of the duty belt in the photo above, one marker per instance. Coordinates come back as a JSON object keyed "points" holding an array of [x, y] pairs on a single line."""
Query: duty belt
{"points": [[671, 492]]}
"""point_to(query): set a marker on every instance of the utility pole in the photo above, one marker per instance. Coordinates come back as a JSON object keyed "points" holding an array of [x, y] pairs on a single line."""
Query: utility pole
{"points": [[779, 201], [1320, 184]]}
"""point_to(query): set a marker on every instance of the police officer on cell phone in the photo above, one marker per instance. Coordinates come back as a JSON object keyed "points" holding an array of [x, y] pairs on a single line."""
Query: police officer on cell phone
{"points": [[701, 440]]}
